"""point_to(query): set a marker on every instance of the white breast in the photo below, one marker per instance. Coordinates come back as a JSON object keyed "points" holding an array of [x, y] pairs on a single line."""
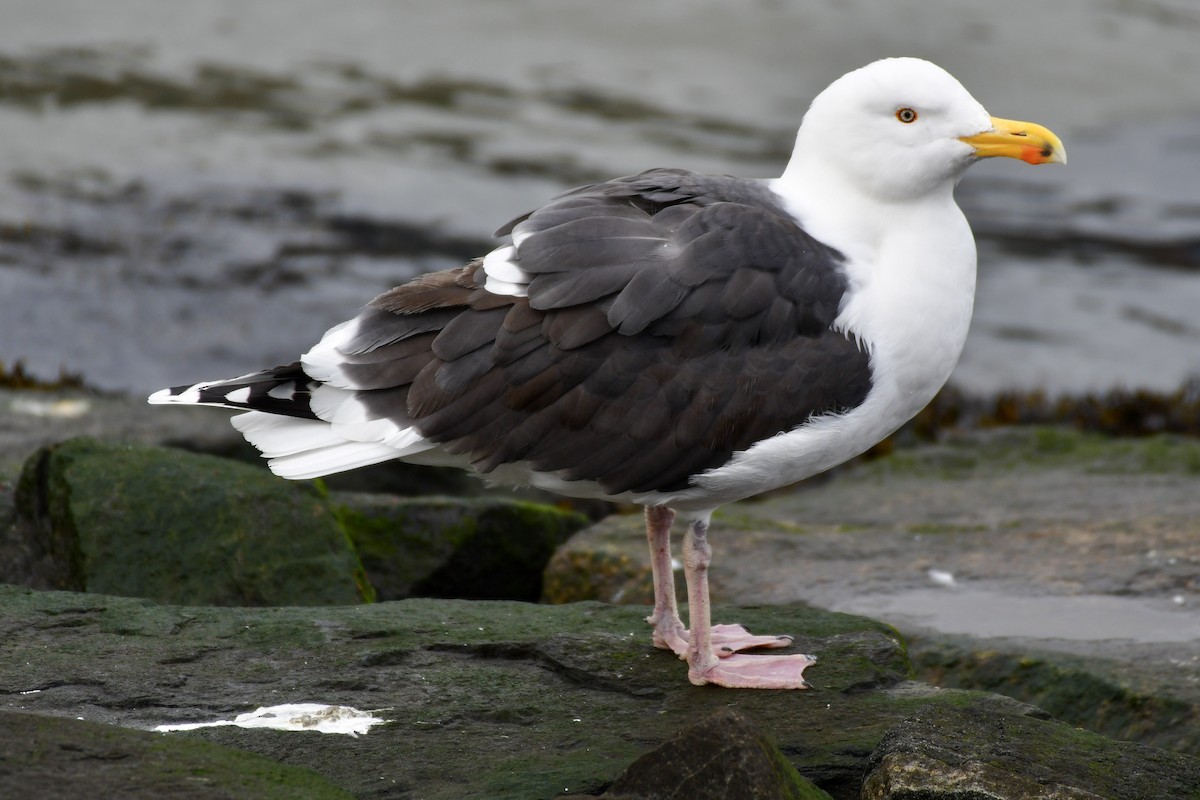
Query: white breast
{"points": [[912, 292]]}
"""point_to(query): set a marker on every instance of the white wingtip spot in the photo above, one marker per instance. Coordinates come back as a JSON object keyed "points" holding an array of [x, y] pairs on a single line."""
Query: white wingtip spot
{"points": [[239, 396], [190, 396]]}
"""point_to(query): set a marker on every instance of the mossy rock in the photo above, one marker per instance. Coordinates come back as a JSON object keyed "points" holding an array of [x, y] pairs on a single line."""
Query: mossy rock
{"points": [[52, 757], [609, 563], [1022, 448], [1091, 692], [513, 700], [969, 752], [179, 527], [724, 756], [482, 699], [479, 548]]}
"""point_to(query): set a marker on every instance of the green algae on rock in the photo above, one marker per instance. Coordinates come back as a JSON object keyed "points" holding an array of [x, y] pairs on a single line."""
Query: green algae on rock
{"points": [[1046, 511], [607, 563], [54, 757], [946, 753], [179, 527], [506, 699], [998, 450], [483, 698], [723, 756], [478, 548], [1092, 692]]}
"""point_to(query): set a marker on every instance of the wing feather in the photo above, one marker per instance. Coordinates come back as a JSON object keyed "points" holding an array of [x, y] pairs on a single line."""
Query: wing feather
{"points": [[649, 328]]}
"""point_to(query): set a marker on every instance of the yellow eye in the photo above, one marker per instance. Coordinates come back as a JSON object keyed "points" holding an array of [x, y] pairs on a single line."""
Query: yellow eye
{"points": [[906, 115]]}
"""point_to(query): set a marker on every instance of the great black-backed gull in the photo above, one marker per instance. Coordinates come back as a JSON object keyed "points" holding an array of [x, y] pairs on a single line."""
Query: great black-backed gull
{"points": [[671, 339]]}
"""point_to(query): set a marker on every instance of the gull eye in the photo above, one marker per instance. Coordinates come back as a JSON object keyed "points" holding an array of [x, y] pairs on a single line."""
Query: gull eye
{"points": [[906, 115]]}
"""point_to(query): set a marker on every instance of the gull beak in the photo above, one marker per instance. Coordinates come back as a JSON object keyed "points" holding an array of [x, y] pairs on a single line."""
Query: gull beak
{"points": [[1027, 141]]}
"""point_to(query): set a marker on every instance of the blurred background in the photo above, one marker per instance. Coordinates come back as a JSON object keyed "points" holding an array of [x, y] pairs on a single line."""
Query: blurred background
{"points": [[198, 190]]}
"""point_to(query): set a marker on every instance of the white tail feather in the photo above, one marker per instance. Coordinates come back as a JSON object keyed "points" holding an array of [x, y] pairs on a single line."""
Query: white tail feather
{"points": [[340, 407], [323, 361], [329, 460], [276, 436], [308, 448]]}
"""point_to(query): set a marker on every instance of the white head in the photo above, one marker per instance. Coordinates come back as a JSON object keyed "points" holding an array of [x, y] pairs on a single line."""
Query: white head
{"points": [[901, 128]]}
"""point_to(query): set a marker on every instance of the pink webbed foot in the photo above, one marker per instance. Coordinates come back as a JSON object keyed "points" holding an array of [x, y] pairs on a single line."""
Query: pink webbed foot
{"points": [[754, 672], [726, 639], [730, 639]]}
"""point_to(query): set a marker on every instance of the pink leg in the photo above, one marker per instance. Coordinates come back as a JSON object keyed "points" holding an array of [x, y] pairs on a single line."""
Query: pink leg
{"points": [[734, 671], [669, 631]]}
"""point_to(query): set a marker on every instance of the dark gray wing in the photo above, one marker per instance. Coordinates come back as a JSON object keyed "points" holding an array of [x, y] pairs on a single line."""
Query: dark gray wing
{"points": [[672, 319]]}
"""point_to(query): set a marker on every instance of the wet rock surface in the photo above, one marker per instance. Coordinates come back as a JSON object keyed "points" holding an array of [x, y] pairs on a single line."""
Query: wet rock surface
{"points": [[1057, 567], [176, 527], [723, 756], [1147, 697], [971, 752], [55, 758], [494, 699], [483, 699], [473, 548]]}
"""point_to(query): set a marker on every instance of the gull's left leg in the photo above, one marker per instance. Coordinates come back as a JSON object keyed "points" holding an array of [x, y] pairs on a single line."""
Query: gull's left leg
{"points": [[734, 670], [669, 631]]}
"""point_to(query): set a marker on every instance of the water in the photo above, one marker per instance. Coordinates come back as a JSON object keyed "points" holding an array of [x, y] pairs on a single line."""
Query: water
{"points": [[200, 190]]}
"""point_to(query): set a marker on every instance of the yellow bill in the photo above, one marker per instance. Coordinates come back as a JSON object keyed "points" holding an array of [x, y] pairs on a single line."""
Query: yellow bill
{"points": [[1027, 141]]}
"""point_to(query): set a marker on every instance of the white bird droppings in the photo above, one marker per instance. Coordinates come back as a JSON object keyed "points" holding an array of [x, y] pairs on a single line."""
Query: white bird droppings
{"points": [[294, 717]]}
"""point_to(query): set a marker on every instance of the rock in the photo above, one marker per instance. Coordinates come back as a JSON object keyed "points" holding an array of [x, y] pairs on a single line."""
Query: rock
{"points": [[488, 699], [210, 530], [721, 757], [480, 548], [483, 698], [1025, 527], [607, 562], [968, 753], [51, 758], [179, 527], [1101, 694], [399, 478]]}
